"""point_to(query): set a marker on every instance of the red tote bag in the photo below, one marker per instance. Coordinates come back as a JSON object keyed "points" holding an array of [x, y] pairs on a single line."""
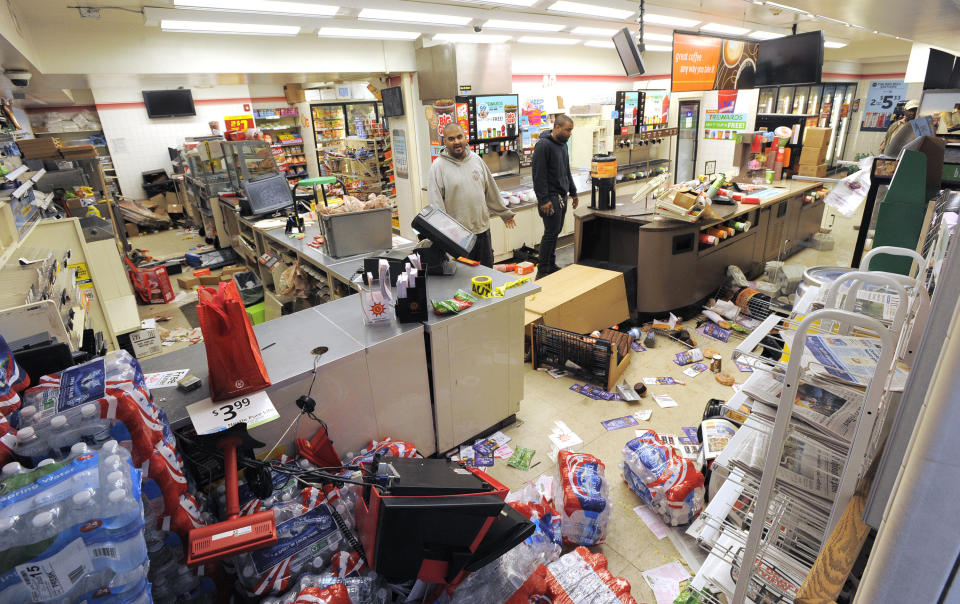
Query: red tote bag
{"points": [[151, 284], [233, 354]]}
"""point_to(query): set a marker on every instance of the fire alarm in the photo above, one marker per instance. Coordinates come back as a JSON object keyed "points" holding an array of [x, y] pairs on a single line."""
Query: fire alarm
{"points": [[246, 106]]}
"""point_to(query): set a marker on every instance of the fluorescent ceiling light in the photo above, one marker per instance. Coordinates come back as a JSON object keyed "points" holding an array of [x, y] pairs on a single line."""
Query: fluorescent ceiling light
{"points": [[580, 8], [262, 6], [546, 40], [599, 44], [832, 20], [593, 31], [834, 44], [522, 25], [720, 28], [668, 20], [792, 9], [764, 35], [475, 38], [376, 14], [525, 3], [218, 27], [657, 48], [374, 34], [657, 37]]}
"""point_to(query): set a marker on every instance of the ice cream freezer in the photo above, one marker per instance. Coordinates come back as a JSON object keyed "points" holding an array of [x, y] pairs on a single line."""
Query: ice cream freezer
{"points": [[665, 263]]}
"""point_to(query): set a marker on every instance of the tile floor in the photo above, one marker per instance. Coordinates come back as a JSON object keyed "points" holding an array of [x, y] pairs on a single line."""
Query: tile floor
{"points": [[630, 548]]}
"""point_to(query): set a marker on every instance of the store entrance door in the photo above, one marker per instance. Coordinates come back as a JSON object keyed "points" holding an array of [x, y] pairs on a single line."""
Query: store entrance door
{"points": [[688, 126]]}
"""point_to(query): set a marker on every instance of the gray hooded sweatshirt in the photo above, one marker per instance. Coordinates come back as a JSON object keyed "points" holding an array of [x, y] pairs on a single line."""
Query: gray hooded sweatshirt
{"points": [[465, 189]]}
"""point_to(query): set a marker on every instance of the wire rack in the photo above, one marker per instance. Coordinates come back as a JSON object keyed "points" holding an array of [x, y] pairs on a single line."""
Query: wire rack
{"points": [[802, 473]]}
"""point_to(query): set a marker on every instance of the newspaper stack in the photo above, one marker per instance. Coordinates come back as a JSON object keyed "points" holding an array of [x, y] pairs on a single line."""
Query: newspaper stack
{"points": [[845, 360]]}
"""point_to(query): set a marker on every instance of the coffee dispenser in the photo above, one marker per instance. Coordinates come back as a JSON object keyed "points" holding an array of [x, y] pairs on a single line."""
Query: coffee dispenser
{"points": [[603, 182]]}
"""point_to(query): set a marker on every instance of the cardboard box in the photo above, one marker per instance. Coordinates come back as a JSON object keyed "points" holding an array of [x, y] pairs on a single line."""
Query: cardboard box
{"points": [[132, 229], [209, 280], [581, 299], [819, 171], [233, 269], [188, 282], [812, 156], [294, 93], [816, 137], [145, 342]]}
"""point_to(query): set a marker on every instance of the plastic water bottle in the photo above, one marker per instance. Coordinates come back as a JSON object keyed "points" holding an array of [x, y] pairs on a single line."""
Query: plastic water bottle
{"points": [[30, 446], [118, 480], [9, 532], [184, 580], [59, 437], [78, 449], [46, 462], [111, 463], [42, 526], [118, 502], [27, 414], [93, 429], [11, 469], [84, 507]]}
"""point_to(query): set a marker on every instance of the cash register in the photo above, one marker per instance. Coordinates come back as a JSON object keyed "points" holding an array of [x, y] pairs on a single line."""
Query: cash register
{"points": [[440, 235]]}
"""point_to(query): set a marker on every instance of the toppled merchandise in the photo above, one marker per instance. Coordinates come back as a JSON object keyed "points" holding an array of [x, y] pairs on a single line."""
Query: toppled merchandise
{"points": [[580, 494], [576, 577], [671, 485]]}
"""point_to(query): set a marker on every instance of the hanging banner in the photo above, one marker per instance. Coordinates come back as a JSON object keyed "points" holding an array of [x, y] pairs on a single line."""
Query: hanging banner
{"points": [[710, 63], [723, 126], [882, 99]]}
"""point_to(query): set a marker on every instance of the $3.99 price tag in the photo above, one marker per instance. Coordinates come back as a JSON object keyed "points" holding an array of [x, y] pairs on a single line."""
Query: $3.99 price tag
{"points": [[253, 409]]}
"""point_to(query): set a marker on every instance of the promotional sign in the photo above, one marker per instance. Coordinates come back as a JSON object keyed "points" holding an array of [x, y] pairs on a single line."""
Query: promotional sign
{"points": [[238, 122], [630, 107], [399, 152], [709, 63], [533, 112], [656, 107], [496, 116], [723, 126], [882, 99]]}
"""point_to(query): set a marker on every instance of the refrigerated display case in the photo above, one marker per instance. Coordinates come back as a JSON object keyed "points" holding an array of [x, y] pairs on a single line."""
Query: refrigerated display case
{"points": [[353, 145], [828, 105]]}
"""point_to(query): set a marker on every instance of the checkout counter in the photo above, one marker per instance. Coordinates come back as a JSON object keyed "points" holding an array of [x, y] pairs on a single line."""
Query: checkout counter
{"points": [[435, 384], [663, 260]]}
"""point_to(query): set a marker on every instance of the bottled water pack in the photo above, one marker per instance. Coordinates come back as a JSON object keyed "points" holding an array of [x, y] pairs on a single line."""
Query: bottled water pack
{"points": [[73, 529], [669, 484], [580, 494], [93, 398]]}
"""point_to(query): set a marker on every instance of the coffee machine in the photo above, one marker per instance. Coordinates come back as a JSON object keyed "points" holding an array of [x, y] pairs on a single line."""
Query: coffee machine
{"points": [[603, 182]]}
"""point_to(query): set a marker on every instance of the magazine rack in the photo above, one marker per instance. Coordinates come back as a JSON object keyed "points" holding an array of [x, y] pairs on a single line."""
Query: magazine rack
{"points": [[800, 475]]}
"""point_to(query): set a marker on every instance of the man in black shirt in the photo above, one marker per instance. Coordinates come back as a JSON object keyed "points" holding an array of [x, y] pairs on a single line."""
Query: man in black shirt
{"points": [[552, 184]]}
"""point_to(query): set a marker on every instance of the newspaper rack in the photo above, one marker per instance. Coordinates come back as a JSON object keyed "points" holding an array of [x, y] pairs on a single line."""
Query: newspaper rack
{"points": [[804, 484]]}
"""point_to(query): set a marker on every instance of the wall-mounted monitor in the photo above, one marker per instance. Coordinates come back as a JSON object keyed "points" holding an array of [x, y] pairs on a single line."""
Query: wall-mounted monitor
{"points": [[791, 60], [940, 69], [496, 116], [392, 101], [629, 53], [169, 103]]}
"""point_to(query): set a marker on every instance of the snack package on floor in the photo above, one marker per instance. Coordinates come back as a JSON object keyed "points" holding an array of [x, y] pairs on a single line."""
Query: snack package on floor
{"points": [[72, 529], [668, 483], [306, 541], [576, 577], [13, 380], [580, 494]]}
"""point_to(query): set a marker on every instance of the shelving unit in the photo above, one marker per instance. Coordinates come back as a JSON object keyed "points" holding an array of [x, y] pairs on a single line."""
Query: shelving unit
{"points": [[354, 146], [790, 471], [87, 132], [282, 126]]}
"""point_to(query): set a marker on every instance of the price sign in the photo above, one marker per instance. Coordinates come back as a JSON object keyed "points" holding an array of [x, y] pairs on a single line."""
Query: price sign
{"points": [[253, 409], [882, 99], [238, 122]]}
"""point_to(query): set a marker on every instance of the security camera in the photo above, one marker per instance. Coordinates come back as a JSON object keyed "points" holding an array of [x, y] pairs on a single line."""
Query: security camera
{"points": [[18, 77], [477, 28]]}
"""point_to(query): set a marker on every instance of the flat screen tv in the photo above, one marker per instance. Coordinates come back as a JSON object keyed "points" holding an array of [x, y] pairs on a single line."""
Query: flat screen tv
{"points": [[392, 101], [790, 60], [169, 103], [629, 53], [939, 70]]}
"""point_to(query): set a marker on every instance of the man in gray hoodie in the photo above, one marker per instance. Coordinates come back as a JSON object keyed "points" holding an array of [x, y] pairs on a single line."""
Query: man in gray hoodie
{"points": [[461, 185]]}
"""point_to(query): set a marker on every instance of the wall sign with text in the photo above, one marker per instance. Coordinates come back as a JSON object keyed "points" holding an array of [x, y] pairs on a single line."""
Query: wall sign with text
{"points": [[238, 122], [711, 63], [723, 126], [882, 99]]}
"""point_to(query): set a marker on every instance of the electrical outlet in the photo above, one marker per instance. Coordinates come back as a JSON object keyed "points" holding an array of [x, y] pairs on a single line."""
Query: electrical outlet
{"points": [[89, 12]]}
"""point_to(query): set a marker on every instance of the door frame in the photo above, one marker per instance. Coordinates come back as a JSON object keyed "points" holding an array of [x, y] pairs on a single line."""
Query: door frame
{"points": [[680, 106]]}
